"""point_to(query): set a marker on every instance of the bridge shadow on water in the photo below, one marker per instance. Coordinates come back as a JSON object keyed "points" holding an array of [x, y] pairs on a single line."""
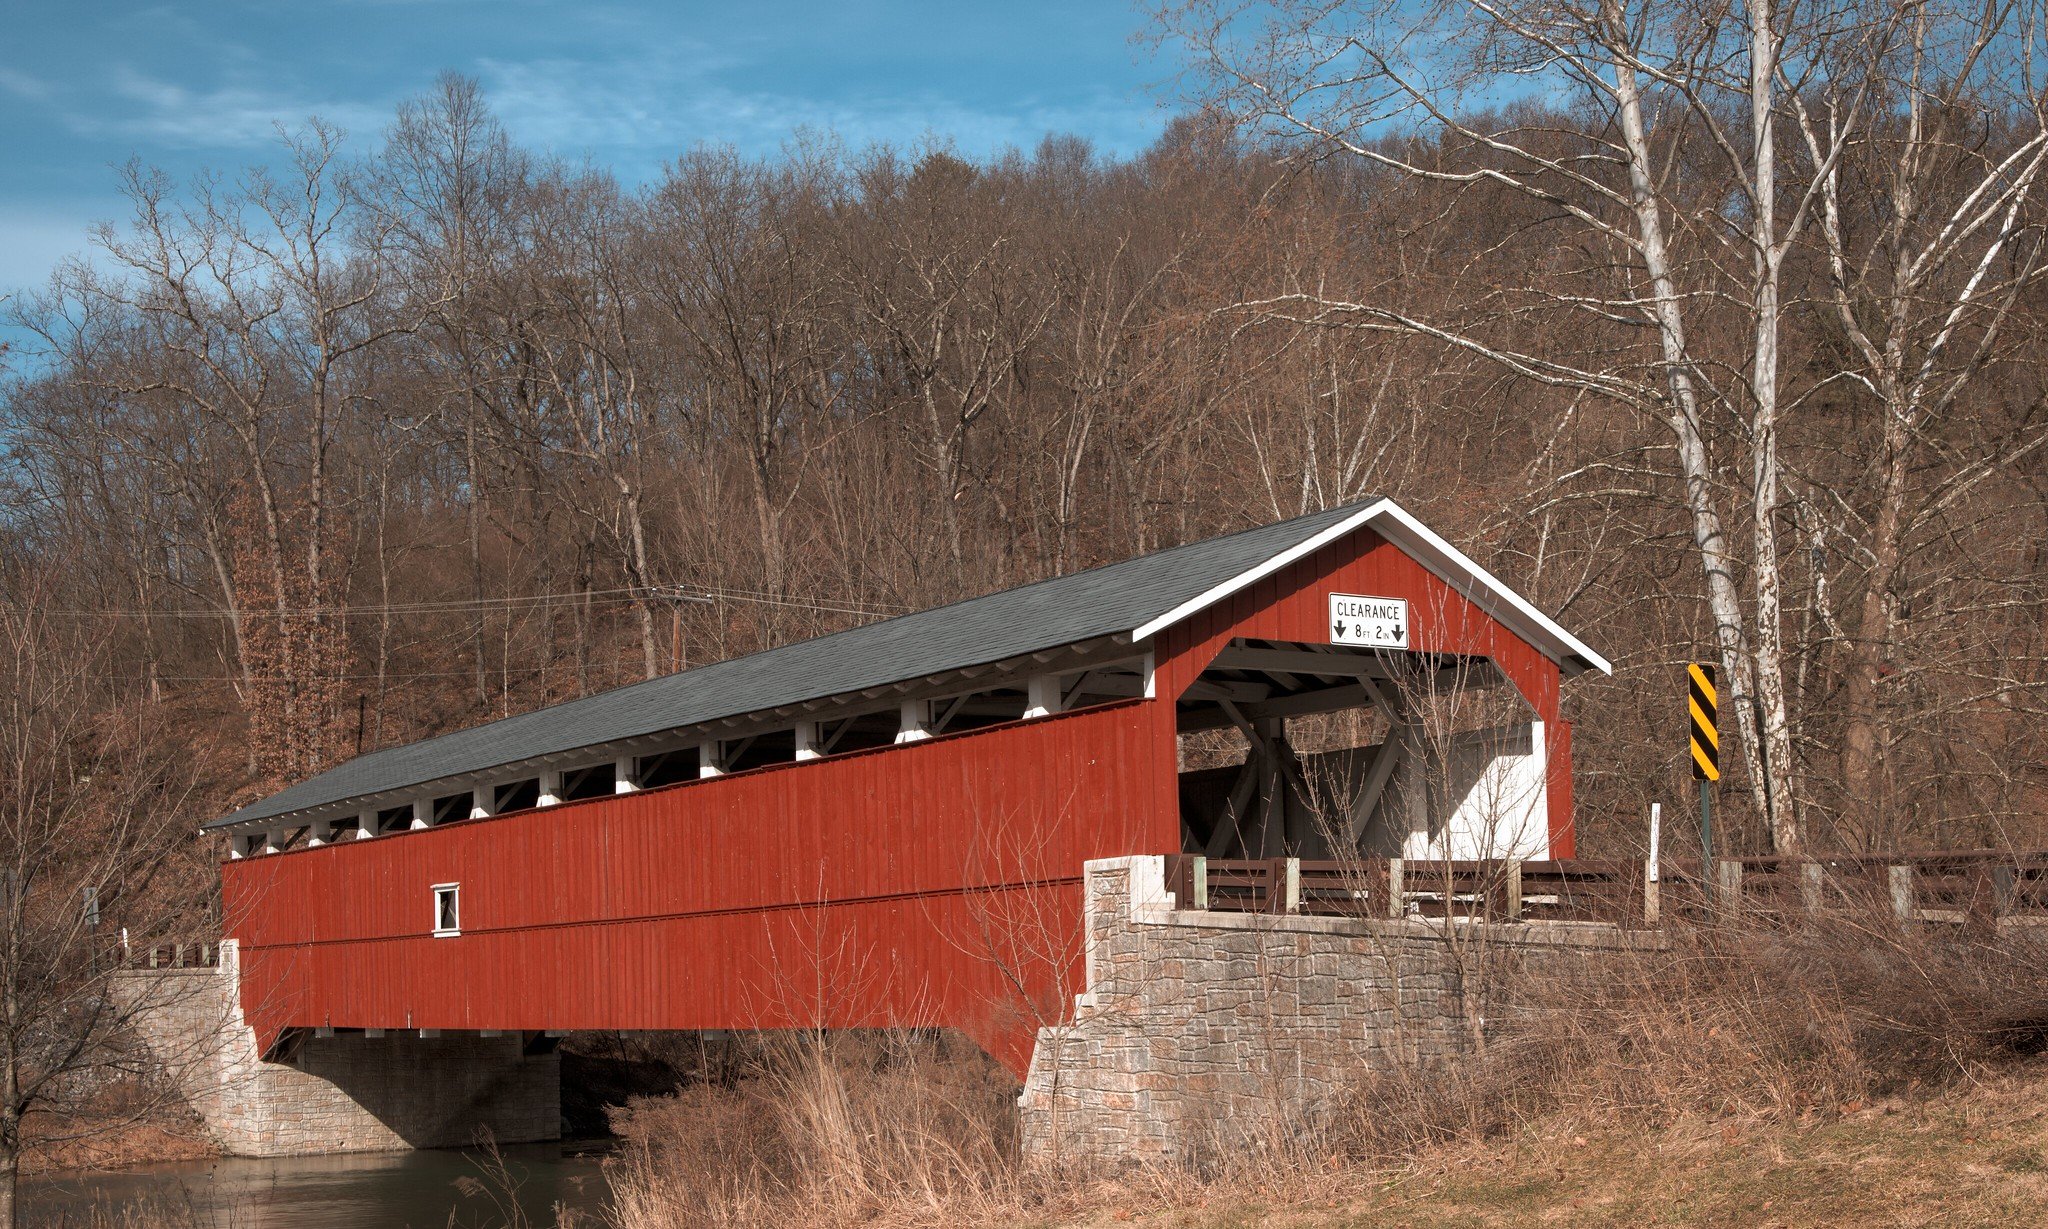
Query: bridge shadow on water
{"points": [[430, 1189]]}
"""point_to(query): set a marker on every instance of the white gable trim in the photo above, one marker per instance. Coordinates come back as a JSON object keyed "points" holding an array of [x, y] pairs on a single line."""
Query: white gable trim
{"points": [[1306, 547], [1422, 544]]}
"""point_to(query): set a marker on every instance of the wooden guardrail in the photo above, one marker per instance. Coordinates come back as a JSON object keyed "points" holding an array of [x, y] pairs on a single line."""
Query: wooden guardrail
{"points": [[1981, 886], [202, 955]]}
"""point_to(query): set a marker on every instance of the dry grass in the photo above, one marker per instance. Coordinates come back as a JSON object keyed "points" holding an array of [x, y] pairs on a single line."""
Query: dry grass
{"points": [[1709, 1083], [1737, 1020], [830, 1129], [123, 1124], [1974, 1155]]}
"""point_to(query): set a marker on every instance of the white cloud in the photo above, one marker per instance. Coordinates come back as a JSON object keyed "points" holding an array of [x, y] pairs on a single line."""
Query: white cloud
{"points": [[137, 109], [22, 85], [634, 115], [219, 116]]}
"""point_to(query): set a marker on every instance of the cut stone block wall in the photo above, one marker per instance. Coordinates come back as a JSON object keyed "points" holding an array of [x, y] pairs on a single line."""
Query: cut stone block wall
{"points": [[1201, 1031], [350, 1092]]}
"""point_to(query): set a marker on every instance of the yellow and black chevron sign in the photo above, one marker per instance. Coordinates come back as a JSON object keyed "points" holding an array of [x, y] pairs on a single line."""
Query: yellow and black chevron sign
{"points": [[1705, 704]]}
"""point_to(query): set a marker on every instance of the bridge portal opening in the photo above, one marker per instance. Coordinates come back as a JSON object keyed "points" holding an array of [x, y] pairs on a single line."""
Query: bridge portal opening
{"points": [[1290, 749]]}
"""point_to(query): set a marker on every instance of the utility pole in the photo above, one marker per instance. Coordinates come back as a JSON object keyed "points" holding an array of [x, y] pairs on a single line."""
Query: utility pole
{"points": [[677, 595]]}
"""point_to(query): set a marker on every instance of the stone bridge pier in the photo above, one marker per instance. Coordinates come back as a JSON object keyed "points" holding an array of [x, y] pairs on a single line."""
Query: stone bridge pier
{"points": [[345, 1090], [1202, 1032]]}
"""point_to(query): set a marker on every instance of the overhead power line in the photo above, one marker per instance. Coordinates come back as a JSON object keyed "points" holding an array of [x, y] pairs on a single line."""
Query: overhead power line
{"points": [[538, 601]]}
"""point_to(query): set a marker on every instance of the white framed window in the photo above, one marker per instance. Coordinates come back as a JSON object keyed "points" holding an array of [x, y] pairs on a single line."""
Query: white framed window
{"points": [[447, 910]]}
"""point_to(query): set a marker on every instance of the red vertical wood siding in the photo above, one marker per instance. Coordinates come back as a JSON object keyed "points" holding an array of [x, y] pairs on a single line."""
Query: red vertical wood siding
{"points": [[935, 883]]}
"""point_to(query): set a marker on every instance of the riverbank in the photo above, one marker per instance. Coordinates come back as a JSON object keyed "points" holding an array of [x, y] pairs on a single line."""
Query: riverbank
{"points": [[1975, 1155], [126, 1127], [1972, 1155], [132, 1126], [432, 1189]]}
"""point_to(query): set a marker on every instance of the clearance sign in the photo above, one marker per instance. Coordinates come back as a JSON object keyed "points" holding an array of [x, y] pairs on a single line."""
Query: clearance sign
{"points": [[1370, 622]]}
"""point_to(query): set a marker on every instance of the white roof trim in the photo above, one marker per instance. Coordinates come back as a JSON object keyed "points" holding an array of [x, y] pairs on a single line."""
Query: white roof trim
{"points": [[1094, 653], [1421, 543], [1308, 546]]}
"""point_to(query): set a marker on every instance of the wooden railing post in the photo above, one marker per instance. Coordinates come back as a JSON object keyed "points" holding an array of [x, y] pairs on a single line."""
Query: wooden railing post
{"points": [[1728, 884], [2004, 881], [1810, 883], [1397, 892], [1294, 885], [1981, 912], [1899, 878], [1511, 906], [1198, 871]]}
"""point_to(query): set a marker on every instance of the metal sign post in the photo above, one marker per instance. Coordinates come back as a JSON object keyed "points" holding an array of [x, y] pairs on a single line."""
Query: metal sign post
{"points": [[1704, 705]]}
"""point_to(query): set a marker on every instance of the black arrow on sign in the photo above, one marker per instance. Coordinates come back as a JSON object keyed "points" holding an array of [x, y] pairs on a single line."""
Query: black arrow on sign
{"points": [[1338, 634]]}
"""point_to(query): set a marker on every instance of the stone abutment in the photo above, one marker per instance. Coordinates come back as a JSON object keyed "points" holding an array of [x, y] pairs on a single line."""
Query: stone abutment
{"points": [[351, 1091], [1205, 1031]]}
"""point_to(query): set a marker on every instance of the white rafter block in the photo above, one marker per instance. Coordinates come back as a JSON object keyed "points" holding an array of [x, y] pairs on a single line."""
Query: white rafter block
{"points": [[550, 788], [319, 832], [1042, 695], [625, 774], [422, 813], [709, 762], [483, 802], [366, 825], [807, 740], [916, 723]]}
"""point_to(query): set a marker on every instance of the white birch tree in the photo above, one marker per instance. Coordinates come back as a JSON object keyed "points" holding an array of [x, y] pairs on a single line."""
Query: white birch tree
{"points": [[1653, 135]]}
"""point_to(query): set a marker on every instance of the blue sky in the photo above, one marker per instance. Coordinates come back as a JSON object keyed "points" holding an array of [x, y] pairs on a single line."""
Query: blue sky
{"points": [[87, 84]]}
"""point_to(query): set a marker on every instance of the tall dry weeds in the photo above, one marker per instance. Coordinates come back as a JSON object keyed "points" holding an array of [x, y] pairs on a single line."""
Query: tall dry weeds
{"points": [[1741, 1018], [825, 1129]]}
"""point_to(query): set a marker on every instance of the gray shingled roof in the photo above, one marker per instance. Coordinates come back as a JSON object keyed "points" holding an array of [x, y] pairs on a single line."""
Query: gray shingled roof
{"points": [[1108, 600]]}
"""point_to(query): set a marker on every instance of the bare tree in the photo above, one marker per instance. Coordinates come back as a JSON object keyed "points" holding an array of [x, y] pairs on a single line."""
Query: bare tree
{"points": [[267, 297], [1665, 169], [937, 279], [91, 808], [1928, 242], [731, 275]]}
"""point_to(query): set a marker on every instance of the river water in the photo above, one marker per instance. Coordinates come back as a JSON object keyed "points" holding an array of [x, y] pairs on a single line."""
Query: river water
{"points": [[380, 1190]]}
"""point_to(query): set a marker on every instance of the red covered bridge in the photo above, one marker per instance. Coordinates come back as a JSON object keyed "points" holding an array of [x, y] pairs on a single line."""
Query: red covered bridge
{"points": [[887, 826]]}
